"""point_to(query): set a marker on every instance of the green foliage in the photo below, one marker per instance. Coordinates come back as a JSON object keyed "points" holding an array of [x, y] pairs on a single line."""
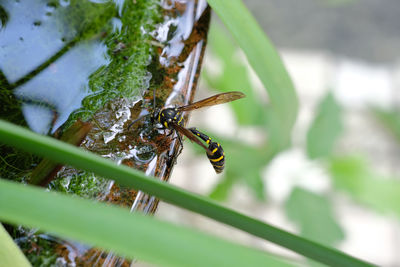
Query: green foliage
{"points": [[325, 129], [354, 176], [40, 251], [222, 189], [267, 64], [234, 76], [15, 164], [314, 216], [390, 119]]}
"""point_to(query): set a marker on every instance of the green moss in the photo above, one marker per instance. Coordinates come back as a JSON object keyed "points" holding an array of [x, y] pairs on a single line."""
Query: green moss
{"points": [[39, 251], [130, 52], [13, 162], [81, 183]]}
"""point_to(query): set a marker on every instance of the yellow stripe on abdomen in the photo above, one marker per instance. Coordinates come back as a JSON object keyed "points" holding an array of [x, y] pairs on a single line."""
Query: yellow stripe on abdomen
{"points": [[218, 159]]}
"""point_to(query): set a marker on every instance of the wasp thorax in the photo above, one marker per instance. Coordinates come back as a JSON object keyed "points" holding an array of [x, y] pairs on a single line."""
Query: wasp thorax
{"points": [[170, 115]]}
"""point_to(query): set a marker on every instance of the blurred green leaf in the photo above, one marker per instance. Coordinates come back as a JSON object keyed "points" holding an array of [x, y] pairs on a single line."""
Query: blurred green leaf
{"points": [[314, 216], [325, 129], [267, 64], [10, 254], [256, 183], [353, 175], [391, 121], [252, 179], [132, 235], [245, 163], [223, 188], [234, 76]]}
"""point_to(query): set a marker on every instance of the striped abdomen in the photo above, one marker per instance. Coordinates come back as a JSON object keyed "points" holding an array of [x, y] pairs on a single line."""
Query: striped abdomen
{"points": [[216, 154]]}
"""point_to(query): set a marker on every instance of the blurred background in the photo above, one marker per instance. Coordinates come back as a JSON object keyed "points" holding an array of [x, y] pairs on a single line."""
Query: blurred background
{"points": [[338, 183]]}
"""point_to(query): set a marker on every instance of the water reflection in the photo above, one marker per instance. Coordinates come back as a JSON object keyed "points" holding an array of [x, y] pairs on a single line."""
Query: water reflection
{"points": [[38, 57], [173, 32], [64, 84], [24, 45]]}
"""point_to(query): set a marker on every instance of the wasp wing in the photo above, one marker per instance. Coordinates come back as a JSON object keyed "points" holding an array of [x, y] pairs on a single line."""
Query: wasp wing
{"points": [[189, 135], [213, 100]]}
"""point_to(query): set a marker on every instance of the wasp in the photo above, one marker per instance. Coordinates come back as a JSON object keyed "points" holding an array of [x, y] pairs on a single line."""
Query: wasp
{"points": [[215, 153], [172, 118]]}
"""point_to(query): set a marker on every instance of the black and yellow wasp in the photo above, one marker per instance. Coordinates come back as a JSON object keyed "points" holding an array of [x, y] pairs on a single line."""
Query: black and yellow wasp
{"points": [[172, 118], [215, 153]]}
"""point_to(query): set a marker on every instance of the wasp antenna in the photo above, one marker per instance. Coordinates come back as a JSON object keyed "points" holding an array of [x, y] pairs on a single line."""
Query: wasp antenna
{"points": [[135, 121]]}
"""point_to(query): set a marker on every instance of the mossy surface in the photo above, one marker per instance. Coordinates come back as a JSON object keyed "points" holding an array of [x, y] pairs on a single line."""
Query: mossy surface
{"points": [[118, 35], [81, 183]]}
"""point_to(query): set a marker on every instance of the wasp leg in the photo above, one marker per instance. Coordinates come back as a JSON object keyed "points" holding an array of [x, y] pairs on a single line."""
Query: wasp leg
{"points": [[181, 144], [172, 159], [165, 135], [170, 133], [179, 139]]}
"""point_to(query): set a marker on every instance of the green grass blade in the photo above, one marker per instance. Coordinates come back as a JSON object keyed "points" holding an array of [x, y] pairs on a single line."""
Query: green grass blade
{"points": [[10, 254], [263, 58], [61, 152], [129, 234]]}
